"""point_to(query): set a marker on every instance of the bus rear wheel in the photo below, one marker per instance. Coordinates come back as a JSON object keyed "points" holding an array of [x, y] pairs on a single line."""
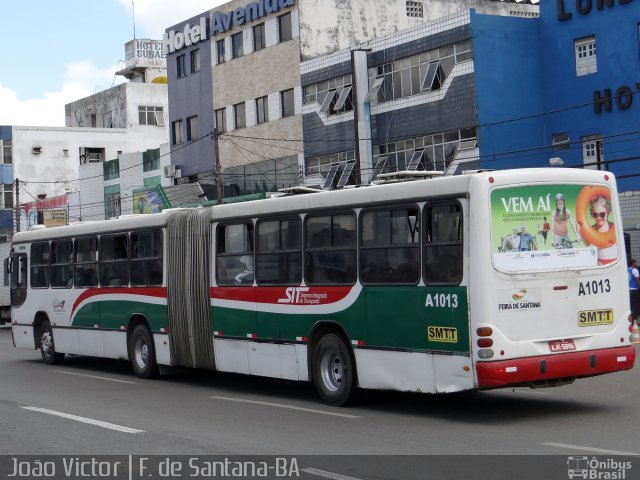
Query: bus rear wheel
{"points": [[334, 372], [47, 347], [142, 353]]}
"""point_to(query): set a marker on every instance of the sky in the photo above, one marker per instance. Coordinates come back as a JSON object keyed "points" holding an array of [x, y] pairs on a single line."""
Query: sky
{"points": [[59, 51]]}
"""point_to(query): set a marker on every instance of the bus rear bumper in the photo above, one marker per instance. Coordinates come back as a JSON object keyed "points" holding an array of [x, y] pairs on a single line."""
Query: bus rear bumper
{"points": [[554, 367]]}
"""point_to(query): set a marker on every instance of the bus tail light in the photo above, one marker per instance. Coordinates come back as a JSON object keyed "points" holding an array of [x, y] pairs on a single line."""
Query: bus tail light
{"points": [[485, 342], [485, 353], [484, 331]]}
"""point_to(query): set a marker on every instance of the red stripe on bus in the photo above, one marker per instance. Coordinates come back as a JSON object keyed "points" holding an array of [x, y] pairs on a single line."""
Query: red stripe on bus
{"points": [[282, 295], [566, 365], [158, 292]]}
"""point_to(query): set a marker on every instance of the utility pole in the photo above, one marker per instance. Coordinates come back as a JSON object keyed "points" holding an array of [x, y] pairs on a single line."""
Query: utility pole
{"points": [[218, 168], [17, 205]]}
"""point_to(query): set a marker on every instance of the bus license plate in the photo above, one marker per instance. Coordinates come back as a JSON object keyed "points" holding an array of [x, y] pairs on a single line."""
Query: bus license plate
{"points": [[562, 345]]}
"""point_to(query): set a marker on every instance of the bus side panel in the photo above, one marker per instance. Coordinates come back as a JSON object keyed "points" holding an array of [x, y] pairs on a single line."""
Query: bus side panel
{"points": [[23, 336], [403, 371], [163, 351], [273, 360]]}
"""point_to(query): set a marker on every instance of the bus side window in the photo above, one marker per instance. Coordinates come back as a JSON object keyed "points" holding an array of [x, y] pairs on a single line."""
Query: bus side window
{"points": [[279, 252], [443, 244], [234, 254], [85, 272], [146, 258], [389, 246], [18, 279], [61, 264], [331, 249], [40, 265], [114, 260]]}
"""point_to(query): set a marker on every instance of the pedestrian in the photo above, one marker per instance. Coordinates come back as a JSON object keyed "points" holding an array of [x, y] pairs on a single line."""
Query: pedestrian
{"points": [[634, 288]]}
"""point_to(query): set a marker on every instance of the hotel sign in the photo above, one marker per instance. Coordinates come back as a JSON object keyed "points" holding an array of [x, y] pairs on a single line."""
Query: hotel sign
{"points": [[220, 23]]}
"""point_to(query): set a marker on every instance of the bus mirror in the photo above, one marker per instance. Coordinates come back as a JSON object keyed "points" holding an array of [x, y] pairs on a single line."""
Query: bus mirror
{"points": [[8, 265]]}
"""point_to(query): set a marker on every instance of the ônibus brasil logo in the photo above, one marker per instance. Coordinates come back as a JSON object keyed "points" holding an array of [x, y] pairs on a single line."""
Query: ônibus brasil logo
{"points": [[596, 469]]}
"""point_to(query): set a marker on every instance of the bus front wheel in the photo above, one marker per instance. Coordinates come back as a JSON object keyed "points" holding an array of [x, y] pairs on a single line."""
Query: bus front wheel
{"points": [[334, 372], [142, 353], [47, 347]]}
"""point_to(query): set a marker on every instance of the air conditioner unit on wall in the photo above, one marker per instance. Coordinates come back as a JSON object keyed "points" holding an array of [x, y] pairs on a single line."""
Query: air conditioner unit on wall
{"points": [[169, 171], [93, 157], [178, 173]]}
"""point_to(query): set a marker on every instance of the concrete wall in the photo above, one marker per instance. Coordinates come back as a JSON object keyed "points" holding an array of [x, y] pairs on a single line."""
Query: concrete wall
{"points": [[327, 26]]}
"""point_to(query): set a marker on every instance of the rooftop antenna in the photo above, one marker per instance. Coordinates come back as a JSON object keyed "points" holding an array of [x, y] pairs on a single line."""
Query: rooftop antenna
{"points": [[133, 12]]}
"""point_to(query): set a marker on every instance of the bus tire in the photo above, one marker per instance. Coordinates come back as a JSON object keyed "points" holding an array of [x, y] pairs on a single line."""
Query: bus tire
{"points": [[142, 353], [334, 372], [47, 346]]}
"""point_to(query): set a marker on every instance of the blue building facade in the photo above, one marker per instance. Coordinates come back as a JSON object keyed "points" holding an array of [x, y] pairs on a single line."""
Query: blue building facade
{"points": [[564, 87]]}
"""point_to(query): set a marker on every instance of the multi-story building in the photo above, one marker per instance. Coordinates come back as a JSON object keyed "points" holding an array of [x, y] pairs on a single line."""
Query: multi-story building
{"points": [[83, 155], [249, 69]]}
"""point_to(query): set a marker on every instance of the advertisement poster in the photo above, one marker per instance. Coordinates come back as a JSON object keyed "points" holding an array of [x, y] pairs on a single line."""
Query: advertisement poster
{"points": [[542, 227]]}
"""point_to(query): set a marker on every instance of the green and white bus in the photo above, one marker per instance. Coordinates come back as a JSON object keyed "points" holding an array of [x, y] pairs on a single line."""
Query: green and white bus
{"points": [[410, 286]]}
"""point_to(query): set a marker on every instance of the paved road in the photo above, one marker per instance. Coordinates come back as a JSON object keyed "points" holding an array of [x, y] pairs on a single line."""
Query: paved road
{"points": [[56, 410]]}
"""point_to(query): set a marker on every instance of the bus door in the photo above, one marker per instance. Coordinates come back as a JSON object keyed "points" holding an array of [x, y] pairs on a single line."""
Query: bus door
{"points": [[445, 307]]}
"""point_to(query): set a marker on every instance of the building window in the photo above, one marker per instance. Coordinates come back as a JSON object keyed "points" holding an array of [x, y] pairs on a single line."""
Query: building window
{"points": [[287, 103], [221, 120], [560, 142], [151, 160], [262, 110], [181, 66], [429, 152], [151, 115], [586, 61], [6, 152], [7, 196], [236, 45], [417, 74], [333, 96], [284, 28], [259, 41], [192, 128], [176, 132], [111, 169], [321, 165], [195, 61], [415, 9], [592, 153], [220, 51], [240, 115], [112, 205]]}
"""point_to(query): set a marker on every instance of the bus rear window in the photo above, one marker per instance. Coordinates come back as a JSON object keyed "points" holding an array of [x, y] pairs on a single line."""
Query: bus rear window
{"points": [[544, 227]]}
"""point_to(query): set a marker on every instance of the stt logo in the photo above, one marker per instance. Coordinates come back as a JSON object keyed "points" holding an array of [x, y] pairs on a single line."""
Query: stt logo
{"points": [[293, 294]]}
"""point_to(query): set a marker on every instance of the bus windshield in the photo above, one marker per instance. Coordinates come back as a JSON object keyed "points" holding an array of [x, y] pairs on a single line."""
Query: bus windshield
{"points": [[553, 226]]}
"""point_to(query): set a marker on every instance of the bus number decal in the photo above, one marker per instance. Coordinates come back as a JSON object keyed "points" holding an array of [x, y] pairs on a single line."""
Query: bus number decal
{"points": [[594, 287], [442, 300], [442, 334]]}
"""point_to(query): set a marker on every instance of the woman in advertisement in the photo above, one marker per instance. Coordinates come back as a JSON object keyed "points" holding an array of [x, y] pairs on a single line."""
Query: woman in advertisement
{"points": [[600, 209], [560, 220]]}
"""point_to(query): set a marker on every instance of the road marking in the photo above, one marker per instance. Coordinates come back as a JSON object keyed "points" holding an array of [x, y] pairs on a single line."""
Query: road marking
{"points": [[325, 474], [290, 407], [95, 376], [589, 449], [90, 421]]}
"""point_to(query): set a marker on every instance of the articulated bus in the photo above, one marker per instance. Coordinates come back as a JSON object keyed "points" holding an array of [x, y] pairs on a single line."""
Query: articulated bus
{"points": [[478, 281]]}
